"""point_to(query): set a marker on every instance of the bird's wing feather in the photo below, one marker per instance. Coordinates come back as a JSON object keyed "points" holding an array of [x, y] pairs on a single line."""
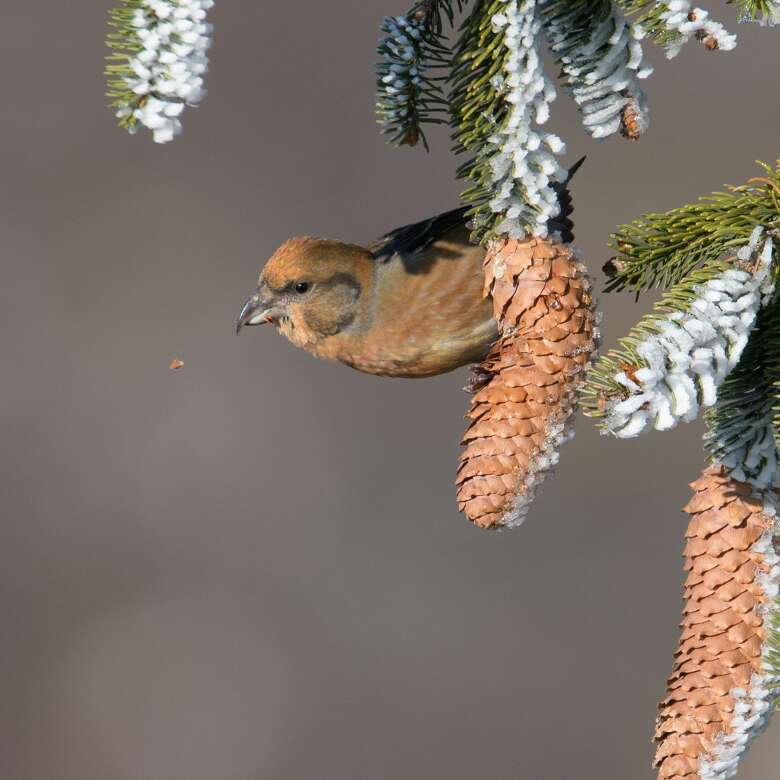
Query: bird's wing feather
{"points": [[410, 240]]}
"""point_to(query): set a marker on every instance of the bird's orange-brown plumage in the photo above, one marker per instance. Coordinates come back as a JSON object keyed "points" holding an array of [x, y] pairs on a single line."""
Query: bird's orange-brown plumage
{"points": [[410, 305], [423, 300], [425, 317]]}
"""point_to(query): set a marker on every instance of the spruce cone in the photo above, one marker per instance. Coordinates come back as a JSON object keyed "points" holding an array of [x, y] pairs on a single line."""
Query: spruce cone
{"points": [[722, 690], [525, 389]]}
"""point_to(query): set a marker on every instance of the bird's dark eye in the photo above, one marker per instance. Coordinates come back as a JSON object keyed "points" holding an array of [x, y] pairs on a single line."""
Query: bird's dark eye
{"points": [[301, 287]]}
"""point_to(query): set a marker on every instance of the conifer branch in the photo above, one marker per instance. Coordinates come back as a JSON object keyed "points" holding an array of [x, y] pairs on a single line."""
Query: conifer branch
{"points": [[740, 427], [674, 360], [411, 73], [660, 250], [500, 99], [770, 329], [157, 62], [672, 23], [601, 62], [763, 12], [712, 343]]}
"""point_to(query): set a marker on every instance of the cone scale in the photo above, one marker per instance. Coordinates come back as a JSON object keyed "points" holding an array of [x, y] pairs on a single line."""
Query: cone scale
{"points": [[525, 389], [723, 688]]}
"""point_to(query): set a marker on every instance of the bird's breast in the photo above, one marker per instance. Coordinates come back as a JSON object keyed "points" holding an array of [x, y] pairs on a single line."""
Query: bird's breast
{"points": [[425, 317]]}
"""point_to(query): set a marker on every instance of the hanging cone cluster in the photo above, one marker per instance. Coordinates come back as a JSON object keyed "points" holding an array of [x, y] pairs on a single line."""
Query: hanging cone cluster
{"points": [[525, 389], [722, 690]]}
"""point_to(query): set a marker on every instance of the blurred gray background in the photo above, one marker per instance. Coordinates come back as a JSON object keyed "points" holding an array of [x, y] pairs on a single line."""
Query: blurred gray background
{"points": [[253, 568]]}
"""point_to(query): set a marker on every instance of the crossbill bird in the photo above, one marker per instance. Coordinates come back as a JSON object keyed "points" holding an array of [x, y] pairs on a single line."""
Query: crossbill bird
{"points": [[410, 304]]}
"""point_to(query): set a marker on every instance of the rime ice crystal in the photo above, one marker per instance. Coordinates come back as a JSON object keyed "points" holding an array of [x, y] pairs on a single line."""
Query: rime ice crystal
{"points": [[685, 22], [522, 157], [672, 23], [692, 352], [400, 77], [768, 15], [602, 63], [741, 435], [500, 96], [166, 74]]}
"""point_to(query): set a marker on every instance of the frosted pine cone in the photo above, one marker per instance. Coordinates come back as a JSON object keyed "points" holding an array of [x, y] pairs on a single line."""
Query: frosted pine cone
{"points": [[723, 689], [525, 390]]}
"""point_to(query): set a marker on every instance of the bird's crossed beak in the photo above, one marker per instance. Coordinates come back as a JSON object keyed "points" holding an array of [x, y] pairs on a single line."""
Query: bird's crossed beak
{"points": [[257, 311]]}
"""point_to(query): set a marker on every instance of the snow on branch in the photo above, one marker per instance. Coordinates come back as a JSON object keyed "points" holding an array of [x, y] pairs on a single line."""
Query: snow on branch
{"points": [[673, 363], [158, 62], [672, 23], [602, 62]]}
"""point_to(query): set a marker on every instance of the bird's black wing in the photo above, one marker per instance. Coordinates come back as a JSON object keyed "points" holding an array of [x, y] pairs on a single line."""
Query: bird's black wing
{"points": [[410, 240]]}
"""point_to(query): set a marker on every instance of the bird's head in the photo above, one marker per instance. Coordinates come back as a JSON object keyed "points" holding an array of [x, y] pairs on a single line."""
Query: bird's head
{"points": [[311, 289]]}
